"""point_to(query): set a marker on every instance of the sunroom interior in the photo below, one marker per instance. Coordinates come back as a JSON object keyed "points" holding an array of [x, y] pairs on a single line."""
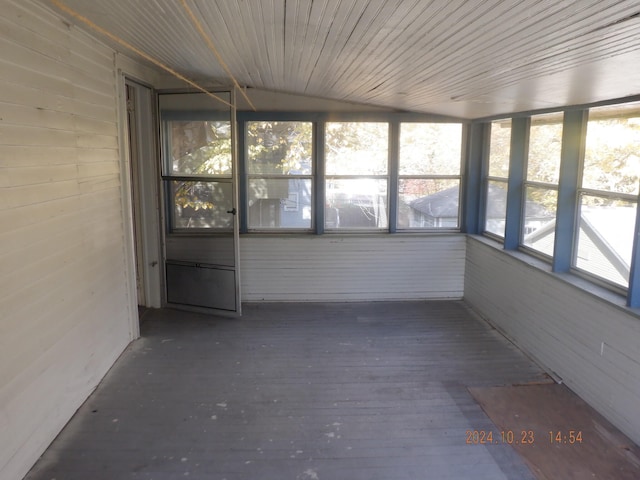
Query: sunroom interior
{"points": [[194, 156]]}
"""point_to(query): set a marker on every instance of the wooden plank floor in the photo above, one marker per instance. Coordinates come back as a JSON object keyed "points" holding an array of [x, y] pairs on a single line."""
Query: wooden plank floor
{"points": [[297, 391]]}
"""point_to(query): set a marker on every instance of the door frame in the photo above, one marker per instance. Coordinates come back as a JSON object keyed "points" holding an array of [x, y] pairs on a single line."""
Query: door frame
{"points": [[147, 208], [134, 150]]}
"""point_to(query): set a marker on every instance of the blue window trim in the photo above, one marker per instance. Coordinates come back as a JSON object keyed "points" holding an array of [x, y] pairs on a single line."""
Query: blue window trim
{"points": [[517, 173], [633, 296], [473, 172], [319, 183], [573, 141], [392, 168]]}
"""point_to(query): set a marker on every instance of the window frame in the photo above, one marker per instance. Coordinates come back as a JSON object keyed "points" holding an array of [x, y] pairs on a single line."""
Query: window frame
{"points": [[319, 120], [457, 177], [539, 185], [376, 177], [583, 191], [488, 178], [167, 176], [582, 272], [247, 176]]}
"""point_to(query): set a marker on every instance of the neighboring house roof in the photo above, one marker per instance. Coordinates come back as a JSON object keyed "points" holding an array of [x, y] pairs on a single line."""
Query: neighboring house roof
{"points": [[605, 248], [606, 237], [606, 234], [444, 204]]}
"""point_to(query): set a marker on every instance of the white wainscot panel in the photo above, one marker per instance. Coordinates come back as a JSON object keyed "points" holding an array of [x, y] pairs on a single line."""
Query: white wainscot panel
{"points": [[352, 267]]}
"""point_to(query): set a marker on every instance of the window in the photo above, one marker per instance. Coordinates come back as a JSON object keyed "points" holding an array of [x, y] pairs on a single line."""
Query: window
{"points": [[497, 179], [608, 196], [356, 175], [429, 175], [541, 183], [197, 173], [197, 162], [280, 175], [579, 209]]}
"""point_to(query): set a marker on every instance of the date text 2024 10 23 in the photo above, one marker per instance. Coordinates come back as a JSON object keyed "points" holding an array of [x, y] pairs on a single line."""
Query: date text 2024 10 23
{"points": [[521, 437]]}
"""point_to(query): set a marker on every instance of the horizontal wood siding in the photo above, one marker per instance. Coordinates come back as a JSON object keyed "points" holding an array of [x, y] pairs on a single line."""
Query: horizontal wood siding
{"points": [[63, 288], [349, 268], [592, 346]]}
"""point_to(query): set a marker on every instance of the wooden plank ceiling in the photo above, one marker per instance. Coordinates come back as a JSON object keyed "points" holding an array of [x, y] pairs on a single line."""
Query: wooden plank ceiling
{"points": [[469, 59]]}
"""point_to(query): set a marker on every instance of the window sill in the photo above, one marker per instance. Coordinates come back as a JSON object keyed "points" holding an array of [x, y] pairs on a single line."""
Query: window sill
{"points": [[350, 233]]}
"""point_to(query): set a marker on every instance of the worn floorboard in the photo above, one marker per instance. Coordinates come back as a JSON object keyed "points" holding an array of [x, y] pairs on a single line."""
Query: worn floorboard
{"points": [[297, 391], [557, 433]]}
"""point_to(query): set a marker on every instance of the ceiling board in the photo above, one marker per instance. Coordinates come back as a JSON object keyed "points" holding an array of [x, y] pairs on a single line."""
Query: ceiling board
{"points": [[465, 58]]}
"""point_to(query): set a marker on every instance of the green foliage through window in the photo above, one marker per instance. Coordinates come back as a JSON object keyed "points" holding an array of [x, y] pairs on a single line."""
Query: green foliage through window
{"points": [[283, 148], [200, 148]]}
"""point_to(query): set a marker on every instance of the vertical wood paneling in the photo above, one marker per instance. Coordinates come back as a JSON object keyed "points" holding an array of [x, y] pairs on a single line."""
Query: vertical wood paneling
{"points": [[348, 268], [592, 345], [63, 287]]}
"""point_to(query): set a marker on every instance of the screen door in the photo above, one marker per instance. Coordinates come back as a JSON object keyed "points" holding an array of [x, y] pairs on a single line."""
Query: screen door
{"points": [[200, 192]]}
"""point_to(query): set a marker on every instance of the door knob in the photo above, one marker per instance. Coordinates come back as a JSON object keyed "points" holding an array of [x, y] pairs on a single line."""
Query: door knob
{"points": [[233, 211]]}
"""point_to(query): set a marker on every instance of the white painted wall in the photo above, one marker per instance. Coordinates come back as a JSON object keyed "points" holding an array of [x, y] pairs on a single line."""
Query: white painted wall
{"points": [[65, 308], [351, 267], [591, 344]]}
